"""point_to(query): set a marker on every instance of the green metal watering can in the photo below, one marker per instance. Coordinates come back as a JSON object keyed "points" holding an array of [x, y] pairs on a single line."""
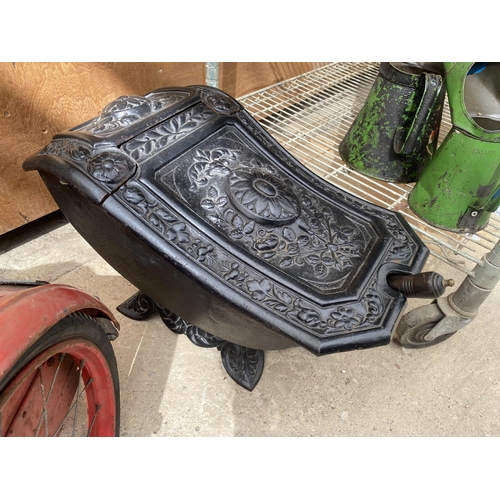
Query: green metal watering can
{"points": [[396, 131], [460, 186]]}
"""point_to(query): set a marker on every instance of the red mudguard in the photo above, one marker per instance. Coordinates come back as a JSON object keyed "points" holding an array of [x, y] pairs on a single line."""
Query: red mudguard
{"points": [[27, 311]]}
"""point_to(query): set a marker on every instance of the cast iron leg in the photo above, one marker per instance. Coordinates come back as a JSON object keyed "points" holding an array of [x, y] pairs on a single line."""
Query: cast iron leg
{"points": [[137, 307], [243, 365]]}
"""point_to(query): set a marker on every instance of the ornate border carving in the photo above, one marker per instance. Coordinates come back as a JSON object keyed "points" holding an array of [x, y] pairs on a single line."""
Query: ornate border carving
{"points": [[162, 136], [126, 110], [336, 320]]}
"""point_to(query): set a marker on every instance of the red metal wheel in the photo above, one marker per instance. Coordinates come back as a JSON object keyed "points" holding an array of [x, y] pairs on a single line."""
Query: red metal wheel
{"points": [[65, 385]]}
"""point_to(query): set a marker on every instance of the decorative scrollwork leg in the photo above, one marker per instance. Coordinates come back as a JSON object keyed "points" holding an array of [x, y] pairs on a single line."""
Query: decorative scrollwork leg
{"points": [[138, 307], [196, 335], [244, 365]]}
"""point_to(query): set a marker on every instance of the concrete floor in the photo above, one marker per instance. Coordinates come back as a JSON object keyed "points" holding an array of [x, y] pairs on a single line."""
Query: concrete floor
{"points": [[170, 387]]}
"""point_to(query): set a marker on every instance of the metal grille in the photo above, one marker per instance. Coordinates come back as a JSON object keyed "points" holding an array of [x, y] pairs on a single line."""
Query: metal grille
{"points": [[310, 114]]}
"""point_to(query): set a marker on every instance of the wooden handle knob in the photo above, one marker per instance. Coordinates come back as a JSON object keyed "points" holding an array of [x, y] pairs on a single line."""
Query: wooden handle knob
{"points": [[428, 285]]}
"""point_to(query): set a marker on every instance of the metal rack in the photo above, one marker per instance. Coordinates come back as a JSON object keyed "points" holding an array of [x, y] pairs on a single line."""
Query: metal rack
{"points": [[310, 114]]}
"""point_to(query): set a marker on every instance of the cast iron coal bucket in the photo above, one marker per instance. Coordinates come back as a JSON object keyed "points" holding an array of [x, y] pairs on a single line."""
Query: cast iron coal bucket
{"points": [[396, 131], [233, 241]]}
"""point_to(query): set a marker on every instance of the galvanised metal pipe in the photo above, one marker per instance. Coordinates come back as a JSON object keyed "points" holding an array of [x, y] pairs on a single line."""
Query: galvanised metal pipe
{"points": [[212, 74], [474, 290]]}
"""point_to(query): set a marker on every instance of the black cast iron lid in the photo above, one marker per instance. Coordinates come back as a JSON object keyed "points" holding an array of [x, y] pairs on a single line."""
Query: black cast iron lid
{"points": [[253, 225]]}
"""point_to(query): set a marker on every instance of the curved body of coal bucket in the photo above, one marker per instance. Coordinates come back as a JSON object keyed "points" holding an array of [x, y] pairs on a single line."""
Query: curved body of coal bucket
{"points": [[194, 203]]}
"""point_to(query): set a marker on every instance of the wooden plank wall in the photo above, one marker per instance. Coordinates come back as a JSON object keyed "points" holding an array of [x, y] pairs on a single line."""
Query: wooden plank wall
{"points": [[37, 100]]}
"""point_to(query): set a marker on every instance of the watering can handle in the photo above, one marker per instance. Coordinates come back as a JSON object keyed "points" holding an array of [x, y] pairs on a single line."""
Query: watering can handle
{"points": [[433, 84]]}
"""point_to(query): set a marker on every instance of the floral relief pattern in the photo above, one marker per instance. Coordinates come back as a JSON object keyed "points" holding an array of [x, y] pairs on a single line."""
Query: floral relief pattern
{"points": [[165, 134], [219, 101], [277, 239], [71, 149], [293, 231], [110, 167], [263, 197], [244, 196], [257, 286], [209, 163], [403, 247], [165, 222], [127, 110], [324, 322]]}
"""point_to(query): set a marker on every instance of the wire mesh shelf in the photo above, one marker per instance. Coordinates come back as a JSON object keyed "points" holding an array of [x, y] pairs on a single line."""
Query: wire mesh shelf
{"points": [[310, 114]]}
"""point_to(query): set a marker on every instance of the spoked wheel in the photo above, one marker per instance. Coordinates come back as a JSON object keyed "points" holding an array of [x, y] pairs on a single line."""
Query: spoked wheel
{"points": [[413, 330], [66, 384]]}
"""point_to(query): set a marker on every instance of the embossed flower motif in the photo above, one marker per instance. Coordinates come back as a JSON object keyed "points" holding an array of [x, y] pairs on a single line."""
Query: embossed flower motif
{"points": [[69, 148], [117, 114], [373, 304], [398, 233], [344, 234], [208, 163], [236, 275], [177, 232], [263, 197], [110, 168], [345, 318], [203, 252], [219, 102], [309, 317], [125, 103], [259, 289], [79, 153], [217, 160]]}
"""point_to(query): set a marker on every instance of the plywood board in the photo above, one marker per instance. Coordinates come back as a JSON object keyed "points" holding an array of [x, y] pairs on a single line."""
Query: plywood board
{"points": [[38, 100]]}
